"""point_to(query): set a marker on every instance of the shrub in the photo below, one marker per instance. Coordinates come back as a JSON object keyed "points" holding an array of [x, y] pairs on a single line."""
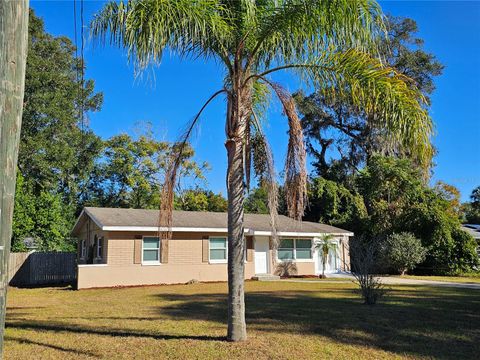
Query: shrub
{"points": [[403, 251], [286, 269], [365, 253]]}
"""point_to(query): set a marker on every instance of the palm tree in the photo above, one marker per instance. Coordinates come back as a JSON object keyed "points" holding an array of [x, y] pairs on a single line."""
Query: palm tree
{"points": [[324, 245], [325, 42]]}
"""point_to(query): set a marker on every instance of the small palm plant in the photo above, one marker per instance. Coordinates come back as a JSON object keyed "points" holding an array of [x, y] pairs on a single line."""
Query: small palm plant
{"points": [[324, 245]]}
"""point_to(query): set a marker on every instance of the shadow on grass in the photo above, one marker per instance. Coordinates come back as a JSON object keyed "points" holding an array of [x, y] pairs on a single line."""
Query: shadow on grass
{"points": [[432, 322], [27, 324], [441, 323], [54, 347]]}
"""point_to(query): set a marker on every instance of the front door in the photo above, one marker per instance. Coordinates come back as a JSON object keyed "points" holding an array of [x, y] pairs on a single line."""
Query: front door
{"points": [[332, 264], [261, 255]]}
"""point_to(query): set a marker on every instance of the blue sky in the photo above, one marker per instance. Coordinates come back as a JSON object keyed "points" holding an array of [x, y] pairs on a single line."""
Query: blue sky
{"points": [[170, 95]]}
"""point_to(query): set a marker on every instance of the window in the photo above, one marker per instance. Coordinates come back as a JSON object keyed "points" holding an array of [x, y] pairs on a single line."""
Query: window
{"points": [[286, 249], [303, 249], [218, 249], [100, 247], [151, 250], [83, 249], [295, 249]]}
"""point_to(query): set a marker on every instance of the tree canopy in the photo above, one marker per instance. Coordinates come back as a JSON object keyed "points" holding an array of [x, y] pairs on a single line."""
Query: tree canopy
{"points": [[472, 208], [389, 196], [338, 129], [63, 165], [57, 153]]}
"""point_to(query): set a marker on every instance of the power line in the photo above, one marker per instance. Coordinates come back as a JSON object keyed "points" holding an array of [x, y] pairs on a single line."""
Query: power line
{"points": [[82, 68]]}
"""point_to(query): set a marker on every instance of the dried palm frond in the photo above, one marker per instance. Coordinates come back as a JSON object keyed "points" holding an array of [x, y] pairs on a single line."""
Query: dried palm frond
{"points": [[174, 163], [265, 171], [295, 163], [247, 155]]}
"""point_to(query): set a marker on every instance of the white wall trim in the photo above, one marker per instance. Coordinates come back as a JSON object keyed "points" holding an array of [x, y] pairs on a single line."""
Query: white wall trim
{"points": [[92, 265], [203, 229], [295, 233], [218, 230], [156, 228]]}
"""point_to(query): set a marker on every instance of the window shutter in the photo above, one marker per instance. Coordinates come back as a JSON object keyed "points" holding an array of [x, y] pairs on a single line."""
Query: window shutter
{"points": [[79, 248], [250, 249], [164, 251], [205, 249], [137, 251], [95, 244], [102, 243]]}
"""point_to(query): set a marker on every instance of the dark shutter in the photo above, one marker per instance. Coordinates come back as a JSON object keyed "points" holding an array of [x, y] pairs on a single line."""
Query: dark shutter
{"points": [[250, 248], [137, 250], [205, 248]]}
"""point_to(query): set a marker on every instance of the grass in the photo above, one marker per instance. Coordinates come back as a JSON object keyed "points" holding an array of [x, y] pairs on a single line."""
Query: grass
{"points": [[459, 279], [327, 279], [286, 320]]}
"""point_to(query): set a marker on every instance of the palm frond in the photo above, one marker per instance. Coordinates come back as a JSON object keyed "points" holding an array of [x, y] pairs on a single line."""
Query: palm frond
{"points": [[296, 161], [147, 28], [265, 171], [174, 162], [292, 30], [397, 106]]}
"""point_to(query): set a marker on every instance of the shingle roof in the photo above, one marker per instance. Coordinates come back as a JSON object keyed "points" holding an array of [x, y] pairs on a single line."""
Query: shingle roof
{"points": [[119, 217], [473, 230]]}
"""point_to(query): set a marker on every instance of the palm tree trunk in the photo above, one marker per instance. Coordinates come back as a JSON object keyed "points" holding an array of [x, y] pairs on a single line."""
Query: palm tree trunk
{"points": [[13, 55], [236, 125]]}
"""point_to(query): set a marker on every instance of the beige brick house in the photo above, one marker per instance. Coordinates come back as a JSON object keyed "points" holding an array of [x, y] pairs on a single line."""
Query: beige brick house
{"points": [[121, 247]]}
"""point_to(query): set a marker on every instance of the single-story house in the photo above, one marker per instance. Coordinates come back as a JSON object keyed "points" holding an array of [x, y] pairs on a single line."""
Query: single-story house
{"points": [[121, 247], [474, 231]]}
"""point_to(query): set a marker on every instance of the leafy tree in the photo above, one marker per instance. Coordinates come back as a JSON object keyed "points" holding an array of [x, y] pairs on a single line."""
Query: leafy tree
{"points": [[397, 200], [57, 153], [200, 200], [23, 223], [475, 197], [325, 42], [129, 172], [451, 194], [257, 201], [389, 186], [403, 251], [43, 217], [430, 218], [52, 225], [216, 202], [332, 203], [472, 209], [339, 126]]}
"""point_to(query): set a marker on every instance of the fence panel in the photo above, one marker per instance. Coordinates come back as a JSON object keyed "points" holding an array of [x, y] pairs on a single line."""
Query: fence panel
{"points": [[45, 268], [16, 261]]}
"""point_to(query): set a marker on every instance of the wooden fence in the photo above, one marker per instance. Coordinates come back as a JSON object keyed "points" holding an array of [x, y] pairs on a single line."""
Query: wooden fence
{"points": [[42, 268]]}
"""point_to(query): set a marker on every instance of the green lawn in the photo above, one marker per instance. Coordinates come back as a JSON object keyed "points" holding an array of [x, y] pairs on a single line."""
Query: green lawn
{"points": [[460, 279], [286, 320]]}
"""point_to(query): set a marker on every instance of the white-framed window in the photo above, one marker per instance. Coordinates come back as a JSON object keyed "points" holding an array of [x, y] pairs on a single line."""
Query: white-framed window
{"points": [[303, 249], [151, 250], [294, 249], [218, 249], [99, 248], [83, 249]]}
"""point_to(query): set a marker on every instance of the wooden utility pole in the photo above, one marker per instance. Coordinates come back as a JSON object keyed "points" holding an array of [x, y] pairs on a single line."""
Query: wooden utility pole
{"points": [[13, 57]]}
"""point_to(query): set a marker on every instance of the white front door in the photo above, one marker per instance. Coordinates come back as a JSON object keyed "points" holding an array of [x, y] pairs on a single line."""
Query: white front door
{"points": [[261, 255], [332, 263]]}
